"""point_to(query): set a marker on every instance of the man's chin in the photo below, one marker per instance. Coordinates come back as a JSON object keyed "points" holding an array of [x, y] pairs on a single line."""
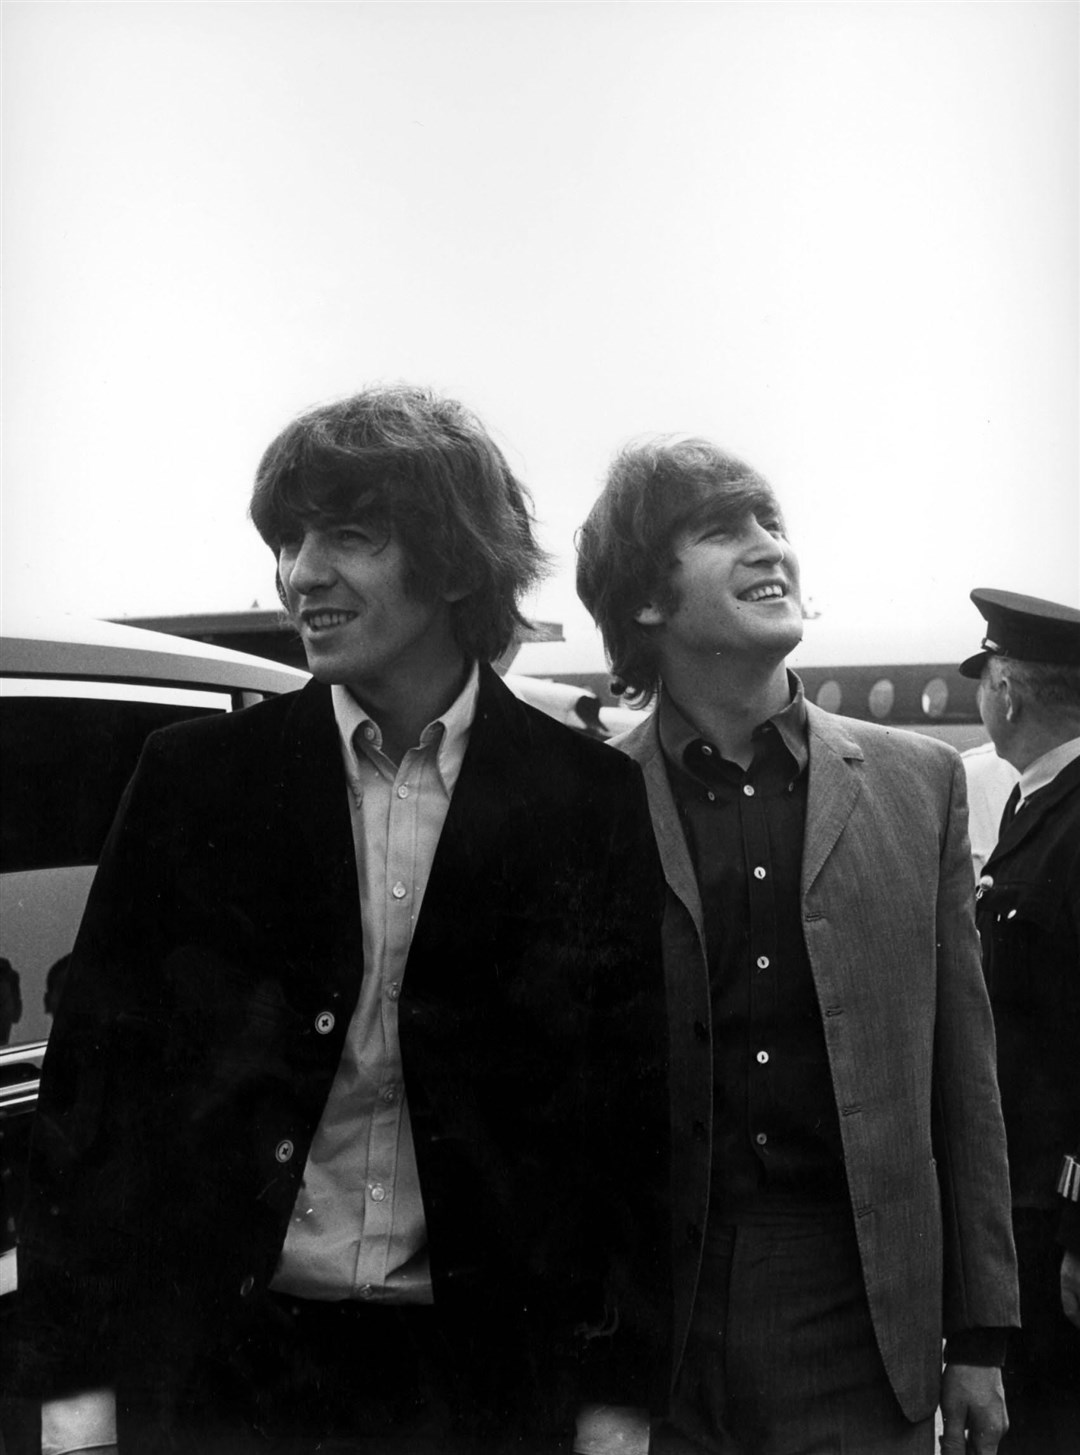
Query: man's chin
{"points": [[785, 636], [325, 670]]}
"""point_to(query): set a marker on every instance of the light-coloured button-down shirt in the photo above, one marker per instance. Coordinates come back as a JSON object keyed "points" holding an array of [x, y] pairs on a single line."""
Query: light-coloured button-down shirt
{"points": [[357, 1229]]}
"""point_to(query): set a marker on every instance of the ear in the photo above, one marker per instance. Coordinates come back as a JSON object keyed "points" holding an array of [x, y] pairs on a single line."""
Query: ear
{"points": [[1010, 698], [649, 615]]}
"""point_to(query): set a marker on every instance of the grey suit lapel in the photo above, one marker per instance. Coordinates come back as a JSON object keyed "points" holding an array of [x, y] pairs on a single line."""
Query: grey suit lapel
{"points": [[833, 789], [643, 745]]}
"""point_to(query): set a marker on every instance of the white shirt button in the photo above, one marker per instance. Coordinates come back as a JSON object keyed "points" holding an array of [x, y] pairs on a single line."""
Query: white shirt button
{"points": [[761, 1139], [399, 891], [324, 1022], [403, 790], [762, 1057], [759, 872], [284, 1150], [763, 962], [711, 796], [393, 990], [378, 1193], [389, 1095], [366, 1291], [748, 789]]}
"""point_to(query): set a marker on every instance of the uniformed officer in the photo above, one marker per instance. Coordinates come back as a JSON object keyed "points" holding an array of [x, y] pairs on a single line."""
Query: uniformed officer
{"points": [[1029, 921]]}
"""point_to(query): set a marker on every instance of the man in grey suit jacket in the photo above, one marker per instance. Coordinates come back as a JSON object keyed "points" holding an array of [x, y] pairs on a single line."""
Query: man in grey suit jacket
{"points": [[840, 1193]]}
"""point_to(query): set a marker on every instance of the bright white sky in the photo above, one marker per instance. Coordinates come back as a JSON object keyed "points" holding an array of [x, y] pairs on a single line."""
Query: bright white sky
{"points": [[839, 239]]}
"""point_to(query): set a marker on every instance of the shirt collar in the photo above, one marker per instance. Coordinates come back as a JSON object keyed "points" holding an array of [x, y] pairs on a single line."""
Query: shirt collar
{"points": [[450, 730], [1045, 769], [677, 732]]}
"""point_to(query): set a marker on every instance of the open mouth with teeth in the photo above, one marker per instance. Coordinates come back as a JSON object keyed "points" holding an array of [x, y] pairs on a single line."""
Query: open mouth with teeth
{"points": [[774, 591], [318, 621]]}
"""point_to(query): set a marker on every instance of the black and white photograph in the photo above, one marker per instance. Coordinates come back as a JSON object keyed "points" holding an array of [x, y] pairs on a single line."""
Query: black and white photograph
{"points": [[540, 727]]}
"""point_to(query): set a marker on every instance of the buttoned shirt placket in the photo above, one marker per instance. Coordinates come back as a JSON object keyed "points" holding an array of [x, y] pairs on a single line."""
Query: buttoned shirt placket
{"points": [[358, 1227]]}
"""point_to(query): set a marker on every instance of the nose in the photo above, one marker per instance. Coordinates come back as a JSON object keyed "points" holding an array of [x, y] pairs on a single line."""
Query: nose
{"points": [[764, 545], [307, 566]]}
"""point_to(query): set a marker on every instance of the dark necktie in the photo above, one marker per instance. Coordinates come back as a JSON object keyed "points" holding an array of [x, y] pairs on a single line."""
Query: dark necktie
{"points": [[1009, 810]]}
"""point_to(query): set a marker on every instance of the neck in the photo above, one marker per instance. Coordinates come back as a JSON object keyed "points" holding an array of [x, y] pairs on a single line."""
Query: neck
{"points": [[403, 708], [728, 703], [1035, 740]]}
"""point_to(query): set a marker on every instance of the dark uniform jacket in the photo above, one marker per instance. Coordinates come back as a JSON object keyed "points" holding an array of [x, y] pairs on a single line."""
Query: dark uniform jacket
{"points": [[214, 977], [1028, 915]]}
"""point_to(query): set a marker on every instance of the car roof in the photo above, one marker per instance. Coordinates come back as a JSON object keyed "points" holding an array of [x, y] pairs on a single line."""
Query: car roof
{"points": [[35, 644]]}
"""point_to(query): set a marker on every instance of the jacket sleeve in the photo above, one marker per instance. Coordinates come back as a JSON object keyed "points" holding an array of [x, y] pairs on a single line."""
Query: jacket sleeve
{"points": [[969, 1136], [85, 1249], [628, 1096]]}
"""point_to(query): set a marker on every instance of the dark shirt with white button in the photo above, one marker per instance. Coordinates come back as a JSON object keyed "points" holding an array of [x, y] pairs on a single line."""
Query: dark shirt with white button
{"points": [[776, 1135]]}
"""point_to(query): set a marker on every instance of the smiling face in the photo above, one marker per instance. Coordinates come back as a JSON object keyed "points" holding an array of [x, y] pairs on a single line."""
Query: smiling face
{"points": [[733, 593], [344, 584]]}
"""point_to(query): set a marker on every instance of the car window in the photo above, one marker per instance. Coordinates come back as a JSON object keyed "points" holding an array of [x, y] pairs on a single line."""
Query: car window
{"points": [[64, 761], [67, 750]]}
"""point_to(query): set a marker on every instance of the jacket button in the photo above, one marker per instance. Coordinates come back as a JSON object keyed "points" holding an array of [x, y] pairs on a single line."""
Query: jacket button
{"points": [[284, 1150], [324, 1022], [247, 1285]]}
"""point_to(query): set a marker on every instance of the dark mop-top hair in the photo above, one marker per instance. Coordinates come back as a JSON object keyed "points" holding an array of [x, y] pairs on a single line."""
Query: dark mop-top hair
{"points": [[424, 469], [655, 490]]}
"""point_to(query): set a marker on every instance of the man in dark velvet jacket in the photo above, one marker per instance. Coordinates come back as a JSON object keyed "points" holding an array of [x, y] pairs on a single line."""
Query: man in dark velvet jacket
{"points": [[353, 1120]]}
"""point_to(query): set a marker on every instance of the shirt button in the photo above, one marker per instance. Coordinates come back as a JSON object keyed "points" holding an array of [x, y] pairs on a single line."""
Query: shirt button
{"points": [[393, 990], [706, 750], [366, 1291], [399, 891], [284, 1150], [761, 1139], [763, 962], [748, 789], [378, 1193], [324, 1022], [403, 790], [762, 1057], [759, 872], [711, 796], [389, 1095], [369, 732]]}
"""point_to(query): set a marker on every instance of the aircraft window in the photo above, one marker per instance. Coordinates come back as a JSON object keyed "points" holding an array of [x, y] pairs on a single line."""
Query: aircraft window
{"points": [[829, 696], [881, 697], [935, 697]]}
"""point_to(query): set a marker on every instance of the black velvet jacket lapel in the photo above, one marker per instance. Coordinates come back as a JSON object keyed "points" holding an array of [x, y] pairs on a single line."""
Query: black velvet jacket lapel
{"points": [[317, 908]]}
